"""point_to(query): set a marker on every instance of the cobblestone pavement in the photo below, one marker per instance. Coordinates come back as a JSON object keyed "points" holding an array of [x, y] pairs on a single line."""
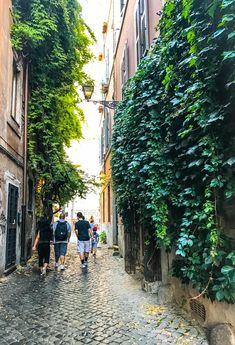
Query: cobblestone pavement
{"points": [[102, 305]]}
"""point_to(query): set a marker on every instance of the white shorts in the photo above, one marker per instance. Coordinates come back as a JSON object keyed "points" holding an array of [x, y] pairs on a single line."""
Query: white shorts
{"points": [[83, 246]]}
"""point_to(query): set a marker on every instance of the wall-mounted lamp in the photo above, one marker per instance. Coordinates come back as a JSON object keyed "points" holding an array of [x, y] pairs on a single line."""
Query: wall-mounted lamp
{"points": [[88, 90]]}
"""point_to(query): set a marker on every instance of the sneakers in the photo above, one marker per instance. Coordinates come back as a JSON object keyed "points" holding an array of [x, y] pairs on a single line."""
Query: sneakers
{"points": [[56, 265], [83, 265], [44, 271], [86, 263], [62, 267]]}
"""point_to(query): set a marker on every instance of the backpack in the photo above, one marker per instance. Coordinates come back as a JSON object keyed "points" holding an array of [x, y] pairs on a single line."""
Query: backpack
{"points": [[61, 231]]}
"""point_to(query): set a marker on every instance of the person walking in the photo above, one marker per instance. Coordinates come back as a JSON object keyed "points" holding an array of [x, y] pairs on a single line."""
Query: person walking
{"points": [[92, 221], [84, 234], [94, 241], [61, 235], [42, 243]]}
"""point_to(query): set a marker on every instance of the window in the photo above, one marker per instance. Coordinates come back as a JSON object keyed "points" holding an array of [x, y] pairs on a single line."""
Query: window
{"points": [[122, 5], [109, 204], [125, 66], [141, 24], [103, 207], [15, 90], [105, 134], [107, 66], [107, 129], [101, 146]]}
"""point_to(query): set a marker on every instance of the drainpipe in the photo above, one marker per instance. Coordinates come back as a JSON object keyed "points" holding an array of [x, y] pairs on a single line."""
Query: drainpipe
{"points": [[23, 223]]}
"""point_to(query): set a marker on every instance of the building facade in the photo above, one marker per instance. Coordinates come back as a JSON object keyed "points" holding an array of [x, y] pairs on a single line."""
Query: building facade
{"points": [[128, 33], [16, 187]]}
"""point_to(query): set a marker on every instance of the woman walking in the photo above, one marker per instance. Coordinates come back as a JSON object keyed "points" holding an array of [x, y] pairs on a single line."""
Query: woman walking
{"points": [[42, 243]]}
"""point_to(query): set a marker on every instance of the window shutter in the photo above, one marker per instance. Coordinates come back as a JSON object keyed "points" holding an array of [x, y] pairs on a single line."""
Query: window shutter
{"points": [[122, 5], [101, 145], [106, 129], [142, 32], [137, 32], [107, 66], [126, 62], [125, 66]]}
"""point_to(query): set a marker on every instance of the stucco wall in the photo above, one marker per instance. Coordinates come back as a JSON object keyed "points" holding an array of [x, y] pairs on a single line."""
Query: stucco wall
{"points": [[216, 312], [121, 243], [127, 34], [11, 134]]}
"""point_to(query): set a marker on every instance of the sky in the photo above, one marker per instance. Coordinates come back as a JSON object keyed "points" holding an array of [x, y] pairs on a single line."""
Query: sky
{"points": [[86, 151]]}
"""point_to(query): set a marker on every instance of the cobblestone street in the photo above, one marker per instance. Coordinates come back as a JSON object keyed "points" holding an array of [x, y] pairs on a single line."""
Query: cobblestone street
{"points": [[102, 305]]}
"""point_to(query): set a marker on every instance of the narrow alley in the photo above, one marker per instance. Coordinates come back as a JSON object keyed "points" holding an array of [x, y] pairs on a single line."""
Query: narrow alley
{"points": [[102, 305]]}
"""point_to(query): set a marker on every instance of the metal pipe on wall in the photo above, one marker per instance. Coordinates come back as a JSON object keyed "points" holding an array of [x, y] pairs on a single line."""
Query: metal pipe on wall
{"points": [[23, 222]]}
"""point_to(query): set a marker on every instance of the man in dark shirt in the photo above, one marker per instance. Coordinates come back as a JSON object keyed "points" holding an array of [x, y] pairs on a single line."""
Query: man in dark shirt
{"points": [[83, 233]]}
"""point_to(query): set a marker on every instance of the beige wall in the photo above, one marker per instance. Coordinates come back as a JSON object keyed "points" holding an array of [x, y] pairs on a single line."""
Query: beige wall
{"points": [[154, 8], [216, 312], [11, 133], [11, 129], [104, 191], [127, 34]]}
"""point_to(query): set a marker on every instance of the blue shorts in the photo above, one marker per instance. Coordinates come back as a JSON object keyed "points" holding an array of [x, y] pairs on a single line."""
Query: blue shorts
{"points": [[60, 249], [94, 244]]}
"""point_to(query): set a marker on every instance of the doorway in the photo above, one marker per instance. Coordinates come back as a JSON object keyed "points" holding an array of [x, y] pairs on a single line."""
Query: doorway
{"points": [[11, 226]]}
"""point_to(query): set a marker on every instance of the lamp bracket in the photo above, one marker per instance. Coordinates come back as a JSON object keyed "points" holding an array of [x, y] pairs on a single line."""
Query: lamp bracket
{"points": [[108, 104]]}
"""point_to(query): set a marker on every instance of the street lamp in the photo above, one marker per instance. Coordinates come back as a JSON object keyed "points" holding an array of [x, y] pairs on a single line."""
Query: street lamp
{"points": [[88, 90]]}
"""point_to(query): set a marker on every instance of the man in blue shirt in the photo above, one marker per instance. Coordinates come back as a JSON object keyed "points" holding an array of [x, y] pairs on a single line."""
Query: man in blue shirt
{"points": [[61, 236]]}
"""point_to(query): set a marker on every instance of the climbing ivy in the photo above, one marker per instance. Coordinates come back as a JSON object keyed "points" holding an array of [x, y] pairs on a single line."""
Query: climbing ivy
{"points": [[173, 143], [54, 40]]}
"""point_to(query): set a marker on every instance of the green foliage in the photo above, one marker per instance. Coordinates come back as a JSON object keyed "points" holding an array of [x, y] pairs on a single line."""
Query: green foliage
{"points": [[103, 237], [173, 142], [55, 40]]}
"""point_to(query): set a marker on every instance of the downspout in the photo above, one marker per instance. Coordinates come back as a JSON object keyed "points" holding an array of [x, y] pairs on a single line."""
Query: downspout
{"points": [[23, 223], [25, 134], [114, 205]]}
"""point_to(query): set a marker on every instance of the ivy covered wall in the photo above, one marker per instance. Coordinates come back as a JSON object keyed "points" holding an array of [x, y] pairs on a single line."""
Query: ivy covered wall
{"points": [[55, 42], [174, 142]]}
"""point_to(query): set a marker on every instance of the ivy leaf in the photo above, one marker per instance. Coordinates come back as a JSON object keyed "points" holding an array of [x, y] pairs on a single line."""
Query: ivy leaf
{"points": [[227, 3], [231, 256], [212, 8], [218, 33], [196, 163], [175, 101], [230, 161], [231, 35], [227, 269], [215, 116], [228, 18], [220, 295], [180, 252], [229, 55]]}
